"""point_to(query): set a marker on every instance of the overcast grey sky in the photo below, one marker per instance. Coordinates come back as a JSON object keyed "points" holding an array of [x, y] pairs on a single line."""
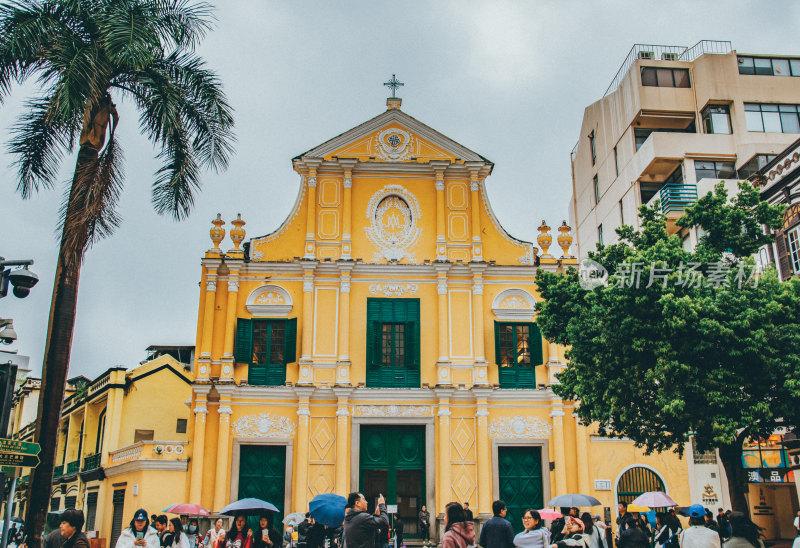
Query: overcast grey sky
{"points": [[507, 79]]}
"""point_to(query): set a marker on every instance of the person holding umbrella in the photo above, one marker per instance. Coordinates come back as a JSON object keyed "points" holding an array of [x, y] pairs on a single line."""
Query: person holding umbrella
{"points": [[239, 535]]}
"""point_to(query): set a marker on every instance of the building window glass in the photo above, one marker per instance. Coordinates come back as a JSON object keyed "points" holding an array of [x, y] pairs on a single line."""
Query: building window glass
{"points": [[766, 460], [754, 164], [266, 346], [717, 119], [518, 349], [714, 170], [596, 186], [766, 66], [641, 134], [621, 214], [794, 248], [600, 234], [180, 427], [772, 118], [665, 77], [616, 162], [593, 148], [393, 343]]}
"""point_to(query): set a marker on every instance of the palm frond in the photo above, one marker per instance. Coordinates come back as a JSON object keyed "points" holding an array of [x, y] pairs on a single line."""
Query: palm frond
{"points": [[38, 142], [89, 211], [178, 180], [179, 89], [182, 23], [129, 34]]}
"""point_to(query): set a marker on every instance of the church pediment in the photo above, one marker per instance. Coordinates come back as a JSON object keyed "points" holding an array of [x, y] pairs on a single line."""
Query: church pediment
{"points": [[393, 136]]}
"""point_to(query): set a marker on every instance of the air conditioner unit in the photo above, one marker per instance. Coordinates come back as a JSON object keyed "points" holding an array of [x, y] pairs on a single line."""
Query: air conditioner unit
{"points": [[647, 55], [669, 56]]}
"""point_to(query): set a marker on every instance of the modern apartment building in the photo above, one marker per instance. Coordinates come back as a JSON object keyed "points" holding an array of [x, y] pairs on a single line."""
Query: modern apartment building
{"points": [[674, 122]]}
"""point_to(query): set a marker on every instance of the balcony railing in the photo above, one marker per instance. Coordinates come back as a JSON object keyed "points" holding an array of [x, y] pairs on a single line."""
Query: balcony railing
{"points": [[73, 467], [92, 462], [656, 52], [163, 450], [677, 196], [58, 471]]}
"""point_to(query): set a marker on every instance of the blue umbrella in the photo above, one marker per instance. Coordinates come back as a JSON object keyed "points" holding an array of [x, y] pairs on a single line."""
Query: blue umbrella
{"points": [[248, 506], [328, 509]]}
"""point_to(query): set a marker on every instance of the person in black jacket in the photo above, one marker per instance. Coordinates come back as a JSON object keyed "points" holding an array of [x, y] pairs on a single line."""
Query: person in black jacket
{"points": [[425, 525], [633, 536], [557, 527], [361, 527], [71, 528], [468, 512], [497, 532]]}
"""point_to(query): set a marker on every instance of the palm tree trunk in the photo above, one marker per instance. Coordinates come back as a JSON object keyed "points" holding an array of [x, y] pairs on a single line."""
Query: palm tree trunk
{"points": [[56, 357]]}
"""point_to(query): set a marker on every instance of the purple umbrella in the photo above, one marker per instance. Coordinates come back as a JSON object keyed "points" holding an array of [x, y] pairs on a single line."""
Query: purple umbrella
{"points": [[654, 499]]}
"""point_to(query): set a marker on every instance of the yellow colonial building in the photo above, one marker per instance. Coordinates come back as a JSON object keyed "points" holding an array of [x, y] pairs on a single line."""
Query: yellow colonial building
{"points": [[123, 441], [384, 339]]}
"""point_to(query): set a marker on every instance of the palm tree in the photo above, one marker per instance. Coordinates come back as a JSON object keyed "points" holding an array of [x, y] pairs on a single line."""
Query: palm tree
{"points": [[86, 54]]}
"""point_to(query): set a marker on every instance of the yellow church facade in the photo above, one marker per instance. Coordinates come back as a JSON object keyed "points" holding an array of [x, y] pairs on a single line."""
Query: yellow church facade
{"points": [[383, 339]]}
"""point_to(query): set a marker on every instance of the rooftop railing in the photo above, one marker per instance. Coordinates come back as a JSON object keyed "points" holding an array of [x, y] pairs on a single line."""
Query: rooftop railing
{"points": [[667, 53]]}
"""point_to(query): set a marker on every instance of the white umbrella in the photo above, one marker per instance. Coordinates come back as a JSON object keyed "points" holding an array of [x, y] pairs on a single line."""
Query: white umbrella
{"points": [[294, 518]]}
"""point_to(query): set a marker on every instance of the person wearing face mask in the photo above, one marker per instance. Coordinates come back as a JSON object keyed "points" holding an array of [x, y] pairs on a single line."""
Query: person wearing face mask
{"points": [[191, 531]]}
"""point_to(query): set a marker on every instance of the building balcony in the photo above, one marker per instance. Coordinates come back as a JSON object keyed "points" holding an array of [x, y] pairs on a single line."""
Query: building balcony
{"points": [[73, 467], [91, 462], [58, 471], [148, 455]]}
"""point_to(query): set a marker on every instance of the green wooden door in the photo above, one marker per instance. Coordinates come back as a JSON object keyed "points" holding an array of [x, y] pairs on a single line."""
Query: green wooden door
{"points": [[520, 481], [262, 475], [392, 463]]}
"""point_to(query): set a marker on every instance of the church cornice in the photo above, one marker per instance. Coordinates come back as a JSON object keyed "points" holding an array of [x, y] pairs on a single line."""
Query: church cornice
{"points": [[370, 126]]}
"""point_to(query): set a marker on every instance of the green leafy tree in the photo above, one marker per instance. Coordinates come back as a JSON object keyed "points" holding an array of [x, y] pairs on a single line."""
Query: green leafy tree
{"points": [[86, 54], [696, 347]]}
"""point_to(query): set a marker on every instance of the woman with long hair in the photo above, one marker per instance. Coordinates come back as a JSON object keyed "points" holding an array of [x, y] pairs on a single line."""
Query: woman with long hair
{"points": [[744, 533], [459, 533], [535, 534], [666, 535], [139, 534], [175, 536], [239, 535], [265, 536]]}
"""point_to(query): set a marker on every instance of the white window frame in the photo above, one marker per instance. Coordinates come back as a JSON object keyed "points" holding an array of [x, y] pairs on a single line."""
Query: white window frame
{"points": [[793, 237]]}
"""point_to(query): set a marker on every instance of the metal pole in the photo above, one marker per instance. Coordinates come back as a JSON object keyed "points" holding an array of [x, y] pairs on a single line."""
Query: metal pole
{"points": [[9, 506]]}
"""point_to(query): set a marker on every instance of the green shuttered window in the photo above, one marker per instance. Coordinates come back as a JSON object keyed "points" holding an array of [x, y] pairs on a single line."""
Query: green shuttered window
{"points": [[266, 346], [517, 352], [393, 343]]}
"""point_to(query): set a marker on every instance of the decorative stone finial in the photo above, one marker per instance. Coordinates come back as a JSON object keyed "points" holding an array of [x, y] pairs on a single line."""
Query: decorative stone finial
{"points": [[544, 239], [237, 233], [565, 238], [217, 233]]}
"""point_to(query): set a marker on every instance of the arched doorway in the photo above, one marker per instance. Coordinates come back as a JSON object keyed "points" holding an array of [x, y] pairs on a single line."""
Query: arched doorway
{"points": [[637, 480]]}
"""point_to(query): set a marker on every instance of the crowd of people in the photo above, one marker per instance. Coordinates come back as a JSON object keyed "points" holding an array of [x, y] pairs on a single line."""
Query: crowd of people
{"points": [[363, 529]]}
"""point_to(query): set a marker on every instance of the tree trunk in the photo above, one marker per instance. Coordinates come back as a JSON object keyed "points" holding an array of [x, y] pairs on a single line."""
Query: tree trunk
{"points": [[731, 456], [57, 353]]}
